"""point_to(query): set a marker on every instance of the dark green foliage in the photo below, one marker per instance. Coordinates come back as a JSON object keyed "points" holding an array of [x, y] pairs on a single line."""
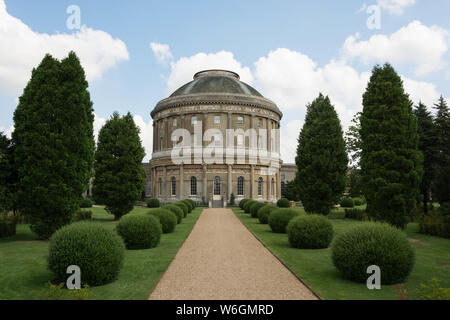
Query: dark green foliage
{"points": [[153, 203], [119, 176], [86, 203], [321, 158], [441, 189], [373, 244], [232, 199], [356, 214], [167, 218], [390, 159], [255, 207], [82, 215], [283, 203], [248, 204], [242, 202], [347, 203], [355, 182], [359, 201], [310, 232], [8, 225], [183, 207], [175, 209], [54, 143], [192, 202], [8, 175], [291, 192], [188, 205], [98, 251], [279, 219], [435, 224], [264, 212], [139, 231]]}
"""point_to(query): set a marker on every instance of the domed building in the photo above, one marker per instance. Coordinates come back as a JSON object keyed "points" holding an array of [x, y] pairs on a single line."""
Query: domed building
{"points": [[215, 117]]}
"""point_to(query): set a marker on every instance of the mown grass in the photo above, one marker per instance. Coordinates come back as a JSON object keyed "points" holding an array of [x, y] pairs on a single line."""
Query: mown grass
{"points": [[316, 270], [24, 272]]}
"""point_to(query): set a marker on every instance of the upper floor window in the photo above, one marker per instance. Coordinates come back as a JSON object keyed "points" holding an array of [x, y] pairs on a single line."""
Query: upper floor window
{"points": [[240, 120], [175, 122], [216, 119], [259, 123], [240, 140], [194, 120]]}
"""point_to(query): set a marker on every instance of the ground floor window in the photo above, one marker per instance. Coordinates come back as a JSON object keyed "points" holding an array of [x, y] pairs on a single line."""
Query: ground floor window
{"points": [[160, 186], [217, 186], [174, 186], [240, 186], [273, 186], [193, 186], [260, 186]]}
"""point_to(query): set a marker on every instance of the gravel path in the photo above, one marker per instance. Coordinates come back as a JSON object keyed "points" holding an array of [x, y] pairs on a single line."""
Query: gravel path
{"points": [[222, 260]]}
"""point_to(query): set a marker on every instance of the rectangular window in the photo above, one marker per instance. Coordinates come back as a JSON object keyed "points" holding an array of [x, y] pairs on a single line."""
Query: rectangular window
{"points": [[175, 122], [240, 140], [194, 120], [217, 120], [240, 120], [259, 123]]}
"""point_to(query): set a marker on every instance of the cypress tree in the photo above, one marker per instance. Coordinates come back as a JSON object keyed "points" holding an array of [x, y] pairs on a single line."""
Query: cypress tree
{"points": [[54, 143], [442, 181], [390, 160], [119, 175], [427, 145], [321, 158]]}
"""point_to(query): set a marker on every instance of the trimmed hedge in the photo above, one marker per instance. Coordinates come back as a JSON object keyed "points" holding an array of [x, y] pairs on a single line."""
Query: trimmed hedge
{"points": [[167, 218], [347, 203], [358, 201], [139, 231], [248, 204], [86, 203], [283, 203], [8, 225], [310, 232], [188, 205], [242, 202], [192, 202], [370, 244], [356, 214], [255, 207], [435, 224], [264, 212], [82, 215], [175, 209], [97, 250], [153, 203], [279, 219], [183, 207]]}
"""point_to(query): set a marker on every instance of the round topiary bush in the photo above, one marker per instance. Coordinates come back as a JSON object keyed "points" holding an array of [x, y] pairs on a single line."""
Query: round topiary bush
{"points": [[153, 203], [242, 202], [310, 232], [188, 205], [279, 219], [192, 202], [347, 203], [283, 203], [175, 209], [264, 212], [98, 251], [248, 204], [183, 207], [370, 244], [139, 231], [255, 207], [167, 218]]}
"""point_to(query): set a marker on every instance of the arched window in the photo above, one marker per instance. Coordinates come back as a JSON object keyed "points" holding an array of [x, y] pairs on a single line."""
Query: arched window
{"points": [[260, 186], [160, 186], [193, 186], [273, 187], [217, 186], [240, 186], [174, 186]]}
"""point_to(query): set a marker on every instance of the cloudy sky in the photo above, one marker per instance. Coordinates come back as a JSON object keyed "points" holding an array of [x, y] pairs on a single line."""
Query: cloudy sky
{"points": [[136, 53]]}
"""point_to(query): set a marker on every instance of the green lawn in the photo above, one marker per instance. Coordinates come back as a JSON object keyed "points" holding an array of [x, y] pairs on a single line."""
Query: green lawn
{"points": [[315, 268], [23, 267]]}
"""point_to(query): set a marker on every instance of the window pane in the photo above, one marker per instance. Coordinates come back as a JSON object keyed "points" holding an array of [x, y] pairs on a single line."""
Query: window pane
{"points": [[175, 122], [240, 120], [217, 120], [194, 120]]}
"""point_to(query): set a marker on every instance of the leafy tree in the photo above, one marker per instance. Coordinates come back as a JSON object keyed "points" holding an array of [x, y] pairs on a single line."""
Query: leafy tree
{"points": [[353, 140], [119, 176], [427, 145], [7, 174], [442, 181], [291, 192], [54, 143], [321, 158], [390, 159], [355, 182]]}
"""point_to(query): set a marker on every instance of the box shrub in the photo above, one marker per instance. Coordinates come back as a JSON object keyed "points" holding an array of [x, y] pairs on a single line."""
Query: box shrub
{"points": [[283, 203], [167, 218], [232, 199], [310, 232], [192, 202], [82, 215], [153, 203], [370, 244], [242, 202], [86, 203], [188, 205], [347, 203], [255, 207], [139, 231], [175, 209], [97, 250], [264, 212], [279, 219], [183, 207], [248, 204], [8, 225]]}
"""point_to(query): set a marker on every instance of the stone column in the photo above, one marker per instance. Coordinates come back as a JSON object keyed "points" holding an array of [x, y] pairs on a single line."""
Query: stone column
{"points": [[278, 188], [204, 184], [181, 182], [230, 185], [165, 133], [252, 180], [269, 136], [164, 183], [204, 126], [154, 136], [269, 185]]}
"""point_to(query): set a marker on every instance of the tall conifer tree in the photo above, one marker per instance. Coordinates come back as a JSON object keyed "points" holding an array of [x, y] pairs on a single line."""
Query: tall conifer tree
{"points": [[390, 160]]}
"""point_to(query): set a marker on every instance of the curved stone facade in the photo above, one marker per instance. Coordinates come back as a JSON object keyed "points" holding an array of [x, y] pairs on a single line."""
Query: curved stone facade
{"points": [[216, 111]]}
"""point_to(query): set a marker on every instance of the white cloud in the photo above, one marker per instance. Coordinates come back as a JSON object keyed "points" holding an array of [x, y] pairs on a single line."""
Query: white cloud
{"points": [[99, 122], [415, 45], [161, 52], [7, 131], [146, 135], [395, 6], [421, 91], [23, 49], [289, 135], [184, 69]]}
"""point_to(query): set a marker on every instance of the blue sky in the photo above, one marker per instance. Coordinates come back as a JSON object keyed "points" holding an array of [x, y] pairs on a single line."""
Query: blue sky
{"points": [[288, 50]]}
